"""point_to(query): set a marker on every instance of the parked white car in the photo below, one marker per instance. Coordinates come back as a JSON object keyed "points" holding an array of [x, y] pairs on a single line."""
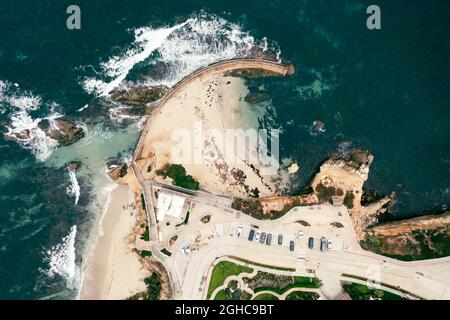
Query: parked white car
{"points": [[257, 235], [329, 245], [239, 231], [300, 235]]}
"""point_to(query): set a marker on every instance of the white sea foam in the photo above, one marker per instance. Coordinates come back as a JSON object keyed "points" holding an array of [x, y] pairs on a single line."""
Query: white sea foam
{"points": [[74, 188], [61, 259], [83, 108], [183, 48], [23, 127]]}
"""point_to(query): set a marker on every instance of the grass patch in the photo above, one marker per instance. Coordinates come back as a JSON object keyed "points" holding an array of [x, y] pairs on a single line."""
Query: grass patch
{"points": [[178, 173], [146, 235], [221, 295], [265, 296], [205, 219], [383, 284], [264, 265], [223, 270], [302, 295], [298, 282], [361, 292]]}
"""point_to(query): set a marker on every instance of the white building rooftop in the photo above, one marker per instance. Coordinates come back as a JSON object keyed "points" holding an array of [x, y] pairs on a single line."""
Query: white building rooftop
{"points": [[169, 204]]}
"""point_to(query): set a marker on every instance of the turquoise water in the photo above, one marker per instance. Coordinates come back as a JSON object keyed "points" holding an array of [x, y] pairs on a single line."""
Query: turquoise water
{"points": [[386, 91]]}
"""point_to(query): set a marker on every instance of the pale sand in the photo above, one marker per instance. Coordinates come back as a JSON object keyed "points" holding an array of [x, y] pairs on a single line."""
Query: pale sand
{"points": [[218, 103], [114, 272]]}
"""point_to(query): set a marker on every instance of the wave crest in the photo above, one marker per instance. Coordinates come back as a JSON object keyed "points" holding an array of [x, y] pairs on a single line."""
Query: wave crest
{"points": [[61, 259], [177, 51]]}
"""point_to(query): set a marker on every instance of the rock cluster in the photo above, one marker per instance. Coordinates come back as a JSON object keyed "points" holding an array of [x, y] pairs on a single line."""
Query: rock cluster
{"points": [[138, 95]]}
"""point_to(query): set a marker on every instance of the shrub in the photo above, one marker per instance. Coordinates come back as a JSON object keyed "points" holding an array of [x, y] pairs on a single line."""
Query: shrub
{"points": [[348, 199], [153, 284], [178, 173]]}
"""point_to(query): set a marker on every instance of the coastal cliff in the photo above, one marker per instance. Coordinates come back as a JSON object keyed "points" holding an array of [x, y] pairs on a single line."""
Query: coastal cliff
{"points": [[423, 237], [340, 181]]}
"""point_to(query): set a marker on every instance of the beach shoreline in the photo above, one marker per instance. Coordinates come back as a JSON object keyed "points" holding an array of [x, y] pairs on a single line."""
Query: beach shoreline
{"points": [[112, 271]]}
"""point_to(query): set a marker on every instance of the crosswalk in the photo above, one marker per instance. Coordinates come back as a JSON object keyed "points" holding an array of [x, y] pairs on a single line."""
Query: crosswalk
{"points": [[180, 264]]}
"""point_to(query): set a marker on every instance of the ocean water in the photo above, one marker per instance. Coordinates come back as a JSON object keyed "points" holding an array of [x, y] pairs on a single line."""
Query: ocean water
{"points": [[386, 91]]}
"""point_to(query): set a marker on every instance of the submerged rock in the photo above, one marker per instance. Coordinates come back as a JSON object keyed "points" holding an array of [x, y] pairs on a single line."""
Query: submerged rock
{"points": [[255, 97], [138, 95], [65, 132], [319, 126]]}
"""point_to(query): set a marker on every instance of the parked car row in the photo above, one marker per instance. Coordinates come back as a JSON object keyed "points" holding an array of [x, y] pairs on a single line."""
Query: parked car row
{"points": [[324, 244], [262, 237], [266, 238]]}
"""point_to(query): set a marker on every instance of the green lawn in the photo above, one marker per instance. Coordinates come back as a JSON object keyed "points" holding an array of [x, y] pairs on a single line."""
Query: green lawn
{"points": [[361, 292], [301, 295], [221, 295], [265, 296], [299, 282], [223, 270], [264, 265]]}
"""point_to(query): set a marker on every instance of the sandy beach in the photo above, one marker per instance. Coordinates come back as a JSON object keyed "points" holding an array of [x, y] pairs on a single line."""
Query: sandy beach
{"points": [[112, 271], [207, 106]]}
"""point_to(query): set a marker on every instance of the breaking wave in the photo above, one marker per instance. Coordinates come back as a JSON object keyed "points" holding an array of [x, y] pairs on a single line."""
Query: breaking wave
{"points": [[61, 259], [177, 51], [74, 188], [22, 127]]}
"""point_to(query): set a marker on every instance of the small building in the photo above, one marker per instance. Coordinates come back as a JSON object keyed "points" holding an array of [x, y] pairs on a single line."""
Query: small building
{"points": [[337, 201], [169, 204]]}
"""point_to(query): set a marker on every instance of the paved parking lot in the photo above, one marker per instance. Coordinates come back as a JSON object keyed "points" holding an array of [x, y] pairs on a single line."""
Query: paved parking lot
{"points": [[217, 238]]}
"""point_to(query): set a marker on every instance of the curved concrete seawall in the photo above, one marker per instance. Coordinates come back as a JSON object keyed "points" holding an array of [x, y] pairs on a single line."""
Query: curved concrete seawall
{"points": [[281, 69]]}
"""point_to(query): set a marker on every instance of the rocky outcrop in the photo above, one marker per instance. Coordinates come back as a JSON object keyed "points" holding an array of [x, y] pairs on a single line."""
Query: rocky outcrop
{"points": [[132, 112], [65, 132], [74, 165], [251, 73], [118, 172], [318, 126], [340, 180], [138, 95]]}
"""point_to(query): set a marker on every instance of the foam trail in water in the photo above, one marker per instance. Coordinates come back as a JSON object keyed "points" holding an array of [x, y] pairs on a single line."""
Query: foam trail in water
{"points": [[74, 188], [61, 259]]}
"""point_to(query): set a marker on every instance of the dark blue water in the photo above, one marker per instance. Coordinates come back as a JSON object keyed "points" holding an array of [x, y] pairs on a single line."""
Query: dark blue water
{"points": [[386, 91]]}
